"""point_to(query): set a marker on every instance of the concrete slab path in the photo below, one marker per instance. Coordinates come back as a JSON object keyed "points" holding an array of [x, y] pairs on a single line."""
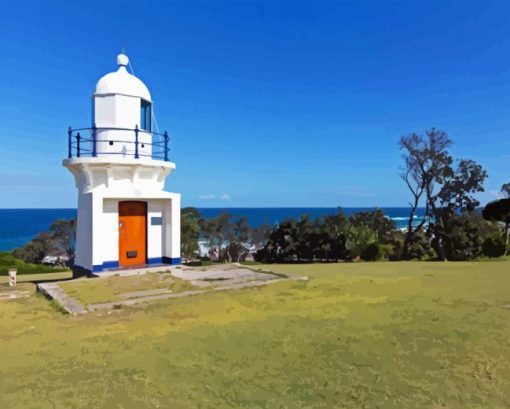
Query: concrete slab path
{"points": [[214, 278], [54, 292]]}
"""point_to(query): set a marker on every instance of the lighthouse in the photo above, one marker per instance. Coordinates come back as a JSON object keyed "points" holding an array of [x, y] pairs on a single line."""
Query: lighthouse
{"points": [[125, 217]]}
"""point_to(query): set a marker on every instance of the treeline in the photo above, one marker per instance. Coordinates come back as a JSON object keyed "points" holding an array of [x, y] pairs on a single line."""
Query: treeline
{"points": [[227, 239], [453, 227], [365, 236]]}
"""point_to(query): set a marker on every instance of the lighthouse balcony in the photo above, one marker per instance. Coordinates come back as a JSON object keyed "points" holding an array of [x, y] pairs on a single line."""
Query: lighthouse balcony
{"points": [[118, 143]]}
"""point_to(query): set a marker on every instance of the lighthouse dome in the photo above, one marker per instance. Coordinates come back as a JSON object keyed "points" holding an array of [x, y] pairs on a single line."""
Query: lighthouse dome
{"points": [[121, 82]]}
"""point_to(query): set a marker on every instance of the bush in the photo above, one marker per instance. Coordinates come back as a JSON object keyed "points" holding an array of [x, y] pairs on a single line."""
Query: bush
{"points": [[420, 247], [461, 236], [389, 251], [372, 252], [59, 241], [359, 238], [376, 221], [7, 261], [494, 247]]}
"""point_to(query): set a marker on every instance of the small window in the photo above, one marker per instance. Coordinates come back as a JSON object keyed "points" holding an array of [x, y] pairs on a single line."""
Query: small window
{"points": [[145, 122]]}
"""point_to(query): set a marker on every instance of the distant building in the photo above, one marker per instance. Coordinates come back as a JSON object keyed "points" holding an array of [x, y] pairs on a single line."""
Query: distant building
{"points": [[125, 218]]}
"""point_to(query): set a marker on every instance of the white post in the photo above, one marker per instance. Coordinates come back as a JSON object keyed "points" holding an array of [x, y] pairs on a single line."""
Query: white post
{"points": [[12, 277]]}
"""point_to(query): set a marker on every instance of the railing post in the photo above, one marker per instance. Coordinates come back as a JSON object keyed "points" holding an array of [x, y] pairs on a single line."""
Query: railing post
{"points": [[166, 146], [94, 149], [136, 142], [78, 137], [69, 142]]}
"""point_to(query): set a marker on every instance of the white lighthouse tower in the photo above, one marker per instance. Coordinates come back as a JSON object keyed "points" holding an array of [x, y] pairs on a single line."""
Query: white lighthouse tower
{"points": [[125, 218]]}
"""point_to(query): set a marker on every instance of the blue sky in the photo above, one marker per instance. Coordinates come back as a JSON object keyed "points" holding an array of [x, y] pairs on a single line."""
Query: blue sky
{"points": [[268, 104]]}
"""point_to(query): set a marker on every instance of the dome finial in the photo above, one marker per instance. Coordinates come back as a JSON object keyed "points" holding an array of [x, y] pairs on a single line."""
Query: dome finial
{"points": [[122, 59]]}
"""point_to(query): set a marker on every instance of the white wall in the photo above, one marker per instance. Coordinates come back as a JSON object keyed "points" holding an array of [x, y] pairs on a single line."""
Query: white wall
{"points": [[108, 246], [104, 111], [172, 222], [120, 111], [83, 256], [154, 232]]}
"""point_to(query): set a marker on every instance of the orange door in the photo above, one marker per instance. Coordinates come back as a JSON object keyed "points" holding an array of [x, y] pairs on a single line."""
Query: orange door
{"points": [[132, 233]]}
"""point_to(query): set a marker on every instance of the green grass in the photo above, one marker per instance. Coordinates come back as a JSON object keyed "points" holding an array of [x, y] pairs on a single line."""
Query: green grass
{"points": [[94, 290], [7, 261], [356, 335]]}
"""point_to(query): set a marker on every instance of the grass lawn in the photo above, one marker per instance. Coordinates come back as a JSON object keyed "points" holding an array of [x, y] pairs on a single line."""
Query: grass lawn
{"points": [[358, 335]]}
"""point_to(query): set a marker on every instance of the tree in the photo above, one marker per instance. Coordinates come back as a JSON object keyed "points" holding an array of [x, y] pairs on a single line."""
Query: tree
{"points": [[444, 189], [459, 185], [335, 227], [217, 230], [305, 239], [378, 222], [499, 210], [359, 239], [260, 235], [238, 238], [233, 239], [281, 244], [455, 197], [59, 241], [426, 159], [190, 232], [463, 234], [36, 249], [330, 238], [64, 238], [505, 189]]}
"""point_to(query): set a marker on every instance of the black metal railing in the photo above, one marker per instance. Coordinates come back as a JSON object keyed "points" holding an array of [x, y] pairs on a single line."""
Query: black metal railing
{"points": [[84, 142]]}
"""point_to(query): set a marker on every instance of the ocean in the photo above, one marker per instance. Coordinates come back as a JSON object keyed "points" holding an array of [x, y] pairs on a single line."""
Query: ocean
{"points": [[18, 226]]}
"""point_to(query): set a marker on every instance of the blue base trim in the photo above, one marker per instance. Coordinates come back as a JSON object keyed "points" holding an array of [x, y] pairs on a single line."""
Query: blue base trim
{"points": [[105, 265], [115, 264], [173, 261], [164, 260]]}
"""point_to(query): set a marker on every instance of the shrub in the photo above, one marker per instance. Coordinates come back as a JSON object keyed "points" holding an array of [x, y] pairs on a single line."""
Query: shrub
{"points": [[371, 253], [494, 247], [59, 241], [359, 238], [461, 236], [420, 247], [7, 261], [377, 221]]}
